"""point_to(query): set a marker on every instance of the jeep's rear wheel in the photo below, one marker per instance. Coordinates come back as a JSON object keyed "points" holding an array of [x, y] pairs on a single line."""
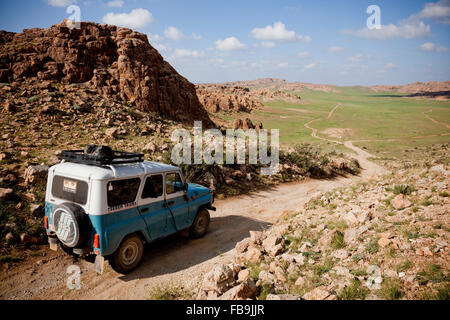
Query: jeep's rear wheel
{"points": [[129, 254], [201, 224]]}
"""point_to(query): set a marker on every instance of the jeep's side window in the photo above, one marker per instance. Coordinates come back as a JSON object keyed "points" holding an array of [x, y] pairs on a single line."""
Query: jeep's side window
{"points": [[174, 183], [153, 187], [122, 193]]}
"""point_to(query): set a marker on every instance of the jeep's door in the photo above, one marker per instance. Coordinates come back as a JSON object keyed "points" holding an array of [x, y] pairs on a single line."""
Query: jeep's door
{"points": [[153, 208], [177, 200]]}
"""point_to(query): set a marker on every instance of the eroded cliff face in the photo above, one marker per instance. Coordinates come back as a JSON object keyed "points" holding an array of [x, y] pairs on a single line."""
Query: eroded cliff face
{"points": [[117, 62], [217, 98]]}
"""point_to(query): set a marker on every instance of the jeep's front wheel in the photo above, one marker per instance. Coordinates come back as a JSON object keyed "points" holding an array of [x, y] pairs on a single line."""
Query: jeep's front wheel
{"points": [[129, 254], [201, 224]]}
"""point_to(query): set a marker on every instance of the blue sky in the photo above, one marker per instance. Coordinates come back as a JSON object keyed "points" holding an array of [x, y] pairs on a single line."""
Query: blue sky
{"points": [[309, 41]]}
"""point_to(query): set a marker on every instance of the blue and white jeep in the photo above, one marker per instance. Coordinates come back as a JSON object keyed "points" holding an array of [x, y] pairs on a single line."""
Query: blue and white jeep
{"points": [[109, 204]]}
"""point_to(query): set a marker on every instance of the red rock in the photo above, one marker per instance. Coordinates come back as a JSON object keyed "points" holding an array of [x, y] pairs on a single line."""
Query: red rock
{"points": [[118, 63]]}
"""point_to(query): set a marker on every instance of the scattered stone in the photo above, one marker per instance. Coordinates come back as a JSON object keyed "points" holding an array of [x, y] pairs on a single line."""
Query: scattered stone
{"points": [[112, 132], [253, 255], [5, 193], [245, 290], [243, 275], [257, 237], [282, 297], [319, 293], [273, 245], [400, 202], [35, 175], [150, 147], [219, 279], [242, 246]]}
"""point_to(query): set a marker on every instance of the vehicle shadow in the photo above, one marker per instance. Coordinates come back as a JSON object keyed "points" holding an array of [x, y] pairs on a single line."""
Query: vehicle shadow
{"points": [[179, 252]]}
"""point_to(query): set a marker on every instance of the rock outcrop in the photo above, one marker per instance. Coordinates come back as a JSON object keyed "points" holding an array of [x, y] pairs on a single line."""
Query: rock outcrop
{"points": [[117, 62], [217, 98], [432, 89]]}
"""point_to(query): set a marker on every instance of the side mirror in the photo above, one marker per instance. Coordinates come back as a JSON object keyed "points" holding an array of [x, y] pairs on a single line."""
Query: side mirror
{"points": [[185, 187]]}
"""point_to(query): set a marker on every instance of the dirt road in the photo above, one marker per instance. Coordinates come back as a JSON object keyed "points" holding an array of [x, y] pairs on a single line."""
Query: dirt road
{"points": [[177, 259]]}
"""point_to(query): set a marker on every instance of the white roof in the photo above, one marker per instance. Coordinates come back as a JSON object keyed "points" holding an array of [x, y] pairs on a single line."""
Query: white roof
{"points": [[83, 171]]}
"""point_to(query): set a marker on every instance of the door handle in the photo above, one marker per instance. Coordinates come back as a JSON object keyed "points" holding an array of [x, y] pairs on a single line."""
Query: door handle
{"points": [[171, 203], [144, 210]]}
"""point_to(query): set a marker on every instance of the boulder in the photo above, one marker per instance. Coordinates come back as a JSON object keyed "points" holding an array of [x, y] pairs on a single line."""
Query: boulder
{"points": [[219, 279], [273, 245], [245, 290], [35, 175], [253, 255], [5, 193], [400, 202]]}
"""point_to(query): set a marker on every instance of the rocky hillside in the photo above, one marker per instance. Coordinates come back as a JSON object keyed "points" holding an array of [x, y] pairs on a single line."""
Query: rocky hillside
{"points": [[217, 98], [117, 63], [282, 85], [383, 239], [432, 89]]}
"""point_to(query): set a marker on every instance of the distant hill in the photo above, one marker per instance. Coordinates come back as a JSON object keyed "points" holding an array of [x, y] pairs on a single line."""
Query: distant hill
{"points": [[281, 84], [432, 89]]}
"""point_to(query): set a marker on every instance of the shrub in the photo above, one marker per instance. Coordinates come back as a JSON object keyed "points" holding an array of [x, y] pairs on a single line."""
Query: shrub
{"points": [[353, 292], [403, 189], [391, 289], [372, 246], [337, 242]]}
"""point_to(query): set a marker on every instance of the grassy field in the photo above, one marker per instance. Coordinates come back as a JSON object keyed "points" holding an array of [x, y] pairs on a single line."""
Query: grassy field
{"points": [[385, 123]]}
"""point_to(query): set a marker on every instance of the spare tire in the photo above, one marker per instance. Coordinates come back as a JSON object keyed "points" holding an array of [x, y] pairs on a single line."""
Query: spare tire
{"points": [[71, 224]]}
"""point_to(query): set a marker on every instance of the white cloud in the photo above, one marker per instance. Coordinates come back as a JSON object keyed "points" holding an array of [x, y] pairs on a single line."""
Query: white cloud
{"points": [[277, 32], [154, 37], [230, 44], [387, 67], [430, 47], [173, 33], [283, 65], [303, 54], [160, 47], [336, 49], [115, 4], [311, 66], [197, 36], [268, 44], [405, 29], [138, 18], [154, 40], [438, 11], [306, 39], [184, 53], [356, 58], [60, 3], [390, 66]]}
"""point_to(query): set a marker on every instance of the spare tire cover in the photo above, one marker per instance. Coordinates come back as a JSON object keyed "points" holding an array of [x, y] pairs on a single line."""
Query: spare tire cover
{"points": [[69, 223]]}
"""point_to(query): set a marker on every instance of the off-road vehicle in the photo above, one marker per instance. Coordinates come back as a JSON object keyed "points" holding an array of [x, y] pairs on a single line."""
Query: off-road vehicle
{"points": [[108, 204]]}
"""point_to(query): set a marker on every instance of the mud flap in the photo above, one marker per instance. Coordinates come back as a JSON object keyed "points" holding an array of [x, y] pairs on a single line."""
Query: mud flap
{"points": [[99, 264], [53, 244]]}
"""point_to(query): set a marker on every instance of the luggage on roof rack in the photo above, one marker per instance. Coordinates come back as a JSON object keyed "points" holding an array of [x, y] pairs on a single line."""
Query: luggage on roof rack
{"points": [[100, 156]]}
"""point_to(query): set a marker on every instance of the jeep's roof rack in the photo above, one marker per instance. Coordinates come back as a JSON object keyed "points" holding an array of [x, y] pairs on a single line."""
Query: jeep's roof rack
{"points": [[118, 157]]}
